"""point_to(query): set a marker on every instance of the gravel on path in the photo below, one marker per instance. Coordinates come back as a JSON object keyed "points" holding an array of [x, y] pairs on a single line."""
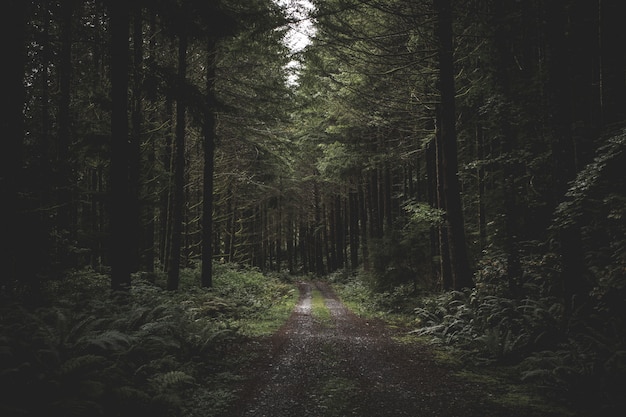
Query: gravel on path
{"points": [[350, 366]]}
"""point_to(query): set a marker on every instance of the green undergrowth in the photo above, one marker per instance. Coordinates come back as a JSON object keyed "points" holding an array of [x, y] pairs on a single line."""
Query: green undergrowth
{"points": [[319, 311], [336, 396], [491, 340], [262, 302], [88, 352], [394, 307]]}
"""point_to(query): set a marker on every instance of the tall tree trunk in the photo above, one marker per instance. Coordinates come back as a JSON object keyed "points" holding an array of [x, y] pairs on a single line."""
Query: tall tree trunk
{"points": [[55, 253], [433, 200], [13, 32], [165, 198], [206, 277], [317, 234], [121, 220], [229, 237], [363, 221], [136, 244], [279, 229], [340, 231], [332, 237], [560, 95], [151, 203], [354, 228], [480, 176], [454, 214], [64, 190], [254, 236], [613, 65], [46, 56], [178, 203], [388, 195], [379, 188], [303, 244], [505, 61], [445, 264], [372, 204]]}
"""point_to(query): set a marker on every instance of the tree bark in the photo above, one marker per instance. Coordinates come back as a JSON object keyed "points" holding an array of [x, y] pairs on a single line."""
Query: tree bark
{"points": [[290, 242], [317, 233], [64, 192], [340, 232], [613, 65], [165, 199], [173, 275], [121, 220], [445, 264], [206, 276], [354, 229], [363, 220], [504, 62], [480, 176], [458, 252], [136, 244], [433, 200], [13, 31]]}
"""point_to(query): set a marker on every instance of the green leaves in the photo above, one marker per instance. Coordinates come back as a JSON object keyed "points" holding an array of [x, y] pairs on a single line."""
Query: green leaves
{"points": [[144, 353], [338, 162], [591, 183], [422, 213]]}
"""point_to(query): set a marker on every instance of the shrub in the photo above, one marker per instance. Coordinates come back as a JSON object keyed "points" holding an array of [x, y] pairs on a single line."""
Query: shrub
{"points": [[89, 352]]}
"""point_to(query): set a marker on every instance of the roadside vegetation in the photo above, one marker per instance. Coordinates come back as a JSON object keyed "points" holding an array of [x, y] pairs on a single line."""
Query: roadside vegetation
{"points": [[148, 352], [517, 345], [319, 311]]}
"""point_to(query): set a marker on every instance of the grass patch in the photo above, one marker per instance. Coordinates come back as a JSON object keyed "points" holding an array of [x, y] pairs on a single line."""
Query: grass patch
{"points": [[319, 311], [337, 396], [512, 396], [267, 323]]}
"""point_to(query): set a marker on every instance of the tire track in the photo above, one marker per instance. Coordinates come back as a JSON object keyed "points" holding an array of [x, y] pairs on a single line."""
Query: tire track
{"points": [[353, 367]]}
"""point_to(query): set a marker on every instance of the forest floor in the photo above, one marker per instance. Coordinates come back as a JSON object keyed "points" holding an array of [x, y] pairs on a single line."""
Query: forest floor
{"points": [[326, 361]]}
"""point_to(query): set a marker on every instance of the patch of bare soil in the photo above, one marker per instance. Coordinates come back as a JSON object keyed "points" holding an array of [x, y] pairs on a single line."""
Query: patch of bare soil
{"points": [[353, 367]]}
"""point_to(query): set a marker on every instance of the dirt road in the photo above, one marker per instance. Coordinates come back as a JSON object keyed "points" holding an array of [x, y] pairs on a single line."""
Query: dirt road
{"points": [[348, 366]]}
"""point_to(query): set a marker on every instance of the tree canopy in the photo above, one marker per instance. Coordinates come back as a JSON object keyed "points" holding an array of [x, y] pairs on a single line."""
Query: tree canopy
{"points": [[470, 145]]}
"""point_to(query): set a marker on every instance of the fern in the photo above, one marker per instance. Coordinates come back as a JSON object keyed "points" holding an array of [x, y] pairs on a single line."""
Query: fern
{"points": [[110, 341], [75, 407], [83, 326], [81, 364], [172, 379]]}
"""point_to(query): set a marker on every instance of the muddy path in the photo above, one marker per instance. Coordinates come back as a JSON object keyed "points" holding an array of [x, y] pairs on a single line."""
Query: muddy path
{"points": [[347, 366]]}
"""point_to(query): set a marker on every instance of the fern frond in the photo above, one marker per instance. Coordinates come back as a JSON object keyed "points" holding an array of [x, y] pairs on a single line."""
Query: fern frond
{"points": [[108, 341], [75, 407], [81, 364], [172, 379], [84, 326], [127, 394]]}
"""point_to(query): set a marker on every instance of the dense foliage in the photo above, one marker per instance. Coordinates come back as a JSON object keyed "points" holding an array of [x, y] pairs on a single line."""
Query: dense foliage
{"points": [[151, 352], [473, 150]]}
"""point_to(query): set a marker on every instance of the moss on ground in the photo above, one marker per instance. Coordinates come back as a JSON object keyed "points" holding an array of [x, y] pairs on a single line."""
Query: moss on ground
{"points": [[319, 311], [336, 396]]}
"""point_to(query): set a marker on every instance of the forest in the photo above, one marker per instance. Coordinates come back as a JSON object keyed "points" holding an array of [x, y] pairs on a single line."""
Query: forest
{"points": [[170, 168]]}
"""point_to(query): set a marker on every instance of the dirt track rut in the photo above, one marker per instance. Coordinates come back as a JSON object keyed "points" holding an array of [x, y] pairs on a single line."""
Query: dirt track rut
{"points": [[349, 366]]}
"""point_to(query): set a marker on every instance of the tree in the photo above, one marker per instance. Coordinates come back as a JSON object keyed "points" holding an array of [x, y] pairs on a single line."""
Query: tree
{"points": [[64, 197], [134, 159], [461, 274], [121, 217], [178, 201], [13, 26], [209, 167]]}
